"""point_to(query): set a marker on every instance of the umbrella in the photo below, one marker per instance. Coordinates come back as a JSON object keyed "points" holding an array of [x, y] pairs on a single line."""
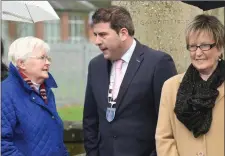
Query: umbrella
{"points": [[206, 5], [28, 11]]}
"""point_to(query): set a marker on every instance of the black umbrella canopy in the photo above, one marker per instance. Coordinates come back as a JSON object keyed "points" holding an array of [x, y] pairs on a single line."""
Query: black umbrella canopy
{"points": [[206, 5]]}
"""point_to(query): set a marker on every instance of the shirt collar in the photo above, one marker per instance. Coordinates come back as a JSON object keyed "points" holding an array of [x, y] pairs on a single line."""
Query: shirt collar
{"points": [[127, 55], [36, 86]]}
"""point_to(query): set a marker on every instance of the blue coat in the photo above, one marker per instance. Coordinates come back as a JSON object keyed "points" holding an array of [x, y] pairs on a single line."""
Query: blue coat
{"points": [[29, 127]]}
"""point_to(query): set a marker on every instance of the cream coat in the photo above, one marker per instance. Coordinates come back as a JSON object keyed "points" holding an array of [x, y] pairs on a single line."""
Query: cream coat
{"points": [[174, 139]]}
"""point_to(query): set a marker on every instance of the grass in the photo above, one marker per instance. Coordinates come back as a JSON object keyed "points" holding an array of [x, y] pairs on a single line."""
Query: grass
{"points": [[71, 113]]}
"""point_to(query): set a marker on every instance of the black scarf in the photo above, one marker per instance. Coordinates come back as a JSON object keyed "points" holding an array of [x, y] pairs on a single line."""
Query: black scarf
{"points": [[196, 99]]}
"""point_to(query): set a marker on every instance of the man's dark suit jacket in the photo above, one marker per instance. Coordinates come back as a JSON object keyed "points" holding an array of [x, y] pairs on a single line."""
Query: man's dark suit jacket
{"points": [[132, 132]]}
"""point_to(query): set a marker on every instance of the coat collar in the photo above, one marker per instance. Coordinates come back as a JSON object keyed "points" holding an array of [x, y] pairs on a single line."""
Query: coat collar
{"points": [[221, 92], [50, 82]]}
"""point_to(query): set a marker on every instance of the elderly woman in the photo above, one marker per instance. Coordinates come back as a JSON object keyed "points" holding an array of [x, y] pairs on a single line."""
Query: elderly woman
{"points": [[30, 124], [191, 115]]}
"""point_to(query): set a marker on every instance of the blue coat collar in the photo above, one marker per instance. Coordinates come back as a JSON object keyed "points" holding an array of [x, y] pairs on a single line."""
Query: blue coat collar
{"points": [[50, 82]]}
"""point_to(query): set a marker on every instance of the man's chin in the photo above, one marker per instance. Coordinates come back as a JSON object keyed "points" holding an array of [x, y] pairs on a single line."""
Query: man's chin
{"points": [[106, 56]]}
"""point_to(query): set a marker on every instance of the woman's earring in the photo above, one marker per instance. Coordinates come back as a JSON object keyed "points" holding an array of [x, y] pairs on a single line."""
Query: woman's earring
{"points": [[220, 57]]}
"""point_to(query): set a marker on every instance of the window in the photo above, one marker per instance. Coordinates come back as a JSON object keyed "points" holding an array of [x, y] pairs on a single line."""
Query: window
{"points": [[52, 31], [76, 28], [5, 30], [5, 39], [25, 29]]}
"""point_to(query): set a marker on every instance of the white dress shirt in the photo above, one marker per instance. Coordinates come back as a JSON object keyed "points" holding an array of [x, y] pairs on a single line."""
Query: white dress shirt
{"points": [[126, 59]]}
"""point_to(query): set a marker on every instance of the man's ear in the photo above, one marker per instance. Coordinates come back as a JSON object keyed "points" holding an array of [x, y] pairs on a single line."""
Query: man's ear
{"points": [[20, 64], [123, 34]]}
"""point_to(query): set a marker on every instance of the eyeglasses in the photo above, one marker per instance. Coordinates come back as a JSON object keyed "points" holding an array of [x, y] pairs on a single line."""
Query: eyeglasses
{"points": [[203, 47], [44, 58]]}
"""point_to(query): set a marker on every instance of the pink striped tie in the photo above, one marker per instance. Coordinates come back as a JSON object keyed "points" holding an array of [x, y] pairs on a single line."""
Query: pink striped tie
{"points": [[118, 78]]}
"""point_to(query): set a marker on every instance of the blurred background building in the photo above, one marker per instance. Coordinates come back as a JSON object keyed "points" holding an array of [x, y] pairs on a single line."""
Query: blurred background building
{"points": [[72, 27]]}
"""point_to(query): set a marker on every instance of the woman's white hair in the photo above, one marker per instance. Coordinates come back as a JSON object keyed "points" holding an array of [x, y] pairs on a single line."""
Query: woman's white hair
{"points": [[22, 47]]}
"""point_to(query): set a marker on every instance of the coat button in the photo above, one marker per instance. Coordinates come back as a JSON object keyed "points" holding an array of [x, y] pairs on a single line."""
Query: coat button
{"points": [[53, 117], [200, 154], [33, 98], [114, 136]]}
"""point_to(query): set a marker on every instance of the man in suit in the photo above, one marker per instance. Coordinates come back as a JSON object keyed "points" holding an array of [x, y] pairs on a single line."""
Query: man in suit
{"points": [[123, 89]]}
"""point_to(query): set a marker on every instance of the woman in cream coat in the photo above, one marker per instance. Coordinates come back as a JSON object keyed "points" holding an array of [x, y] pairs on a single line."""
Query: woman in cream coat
{"points": [[191, 114]]}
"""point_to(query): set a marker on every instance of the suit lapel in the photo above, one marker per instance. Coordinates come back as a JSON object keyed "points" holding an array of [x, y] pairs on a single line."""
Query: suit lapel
{"points": [[104, 80], [133, 66]]}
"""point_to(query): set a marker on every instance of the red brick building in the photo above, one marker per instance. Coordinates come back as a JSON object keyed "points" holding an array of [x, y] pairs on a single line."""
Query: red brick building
{"points": [[72, 27]]}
